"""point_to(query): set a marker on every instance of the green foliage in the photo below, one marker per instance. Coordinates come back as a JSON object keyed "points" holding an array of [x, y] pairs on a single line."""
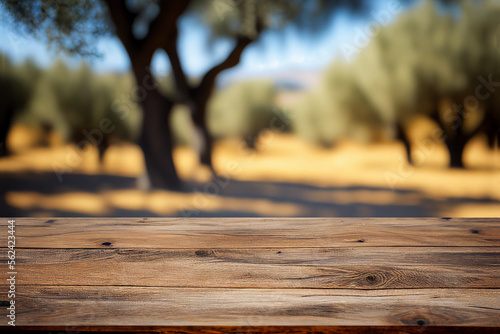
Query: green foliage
{"points": [[338, 108], [230, 18], [17, 83], [168, 88], [70, 25], [243, 110], [182, 126], [427, 56], [72, 101], [75, 102]]}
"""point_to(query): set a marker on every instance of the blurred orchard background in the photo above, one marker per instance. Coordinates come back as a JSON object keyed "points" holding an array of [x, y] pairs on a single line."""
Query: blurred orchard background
{"points": [[249, 108]]}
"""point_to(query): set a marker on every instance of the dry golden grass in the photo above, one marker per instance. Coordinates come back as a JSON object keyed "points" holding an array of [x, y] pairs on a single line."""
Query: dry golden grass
{"points": [[285, 177]]}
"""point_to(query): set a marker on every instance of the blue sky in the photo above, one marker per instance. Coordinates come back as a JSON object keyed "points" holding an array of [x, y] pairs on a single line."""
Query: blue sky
{"points": [[274, 51]]}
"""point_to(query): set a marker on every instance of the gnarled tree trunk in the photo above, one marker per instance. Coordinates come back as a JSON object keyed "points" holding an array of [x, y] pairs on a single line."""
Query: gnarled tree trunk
{"points": [[199, 116], [156, 138], [402, 135], [455, 146], [156, 142], [455, 137], [492, 126], [6, 121], [197, 97]]}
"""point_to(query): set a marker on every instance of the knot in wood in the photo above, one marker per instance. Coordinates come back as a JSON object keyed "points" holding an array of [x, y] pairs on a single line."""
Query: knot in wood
{"points": [[204, 253], [421, 322]]}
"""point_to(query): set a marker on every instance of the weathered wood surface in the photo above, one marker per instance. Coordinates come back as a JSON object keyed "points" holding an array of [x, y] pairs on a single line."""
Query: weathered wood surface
{"points": [[234, 233], [257, 272], [111, 305], [333, 268], [258, 329]]}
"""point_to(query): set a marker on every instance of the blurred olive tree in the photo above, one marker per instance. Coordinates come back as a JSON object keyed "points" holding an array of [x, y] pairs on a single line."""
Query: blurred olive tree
{"points": [[84, 107], [338, 108], [17, 86], [439, 63], [143, 27], [244, 22], [243, 110]]}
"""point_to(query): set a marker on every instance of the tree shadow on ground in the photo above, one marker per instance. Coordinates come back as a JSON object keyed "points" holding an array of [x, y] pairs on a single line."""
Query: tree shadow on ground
{"points": [[352, 201], [310, 200]]}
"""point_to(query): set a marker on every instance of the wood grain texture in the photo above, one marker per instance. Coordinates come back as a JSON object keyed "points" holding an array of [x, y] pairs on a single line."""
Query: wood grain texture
{"points": [[175, 233], [255, 273], [354, 268], [151, 306], [256, 329]]}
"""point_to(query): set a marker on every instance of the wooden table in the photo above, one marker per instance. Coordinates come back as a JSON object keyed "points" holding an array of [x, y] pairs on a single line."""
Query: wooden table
{"points": [[242, 275]]}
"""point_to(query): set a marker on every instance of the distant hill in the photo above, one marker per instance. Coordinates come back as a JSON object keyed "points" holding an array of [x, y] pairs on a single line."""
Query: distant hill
{"points": [[286, 80]]}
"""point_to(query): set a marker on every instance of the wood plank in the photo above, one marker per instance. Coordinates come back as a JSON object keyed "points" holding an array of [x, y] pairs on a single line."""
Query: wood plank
{"points": [[147, 306], [257, 272], [162, 233], [355, 268], [208, 222], [257, 329]]}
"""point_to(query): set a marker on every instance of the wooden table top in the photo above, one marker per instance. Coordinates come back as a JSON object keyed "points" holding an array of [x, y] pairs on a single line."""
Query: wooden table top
{"points": [[244, 272]]}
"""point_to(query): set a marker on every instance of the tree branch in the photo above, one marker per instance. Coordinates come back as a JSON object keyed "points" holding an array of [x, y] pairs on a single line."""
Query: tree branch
{"points": [[205, 88], [161, 29], [123, 20], [164, 27], [181, 82], [206, 85]]}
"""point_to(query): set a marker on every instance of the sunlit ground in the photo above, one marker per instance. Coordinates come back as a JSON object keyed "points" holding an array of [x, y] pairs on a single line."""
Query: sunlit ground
{"points": [[284, 177]]}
